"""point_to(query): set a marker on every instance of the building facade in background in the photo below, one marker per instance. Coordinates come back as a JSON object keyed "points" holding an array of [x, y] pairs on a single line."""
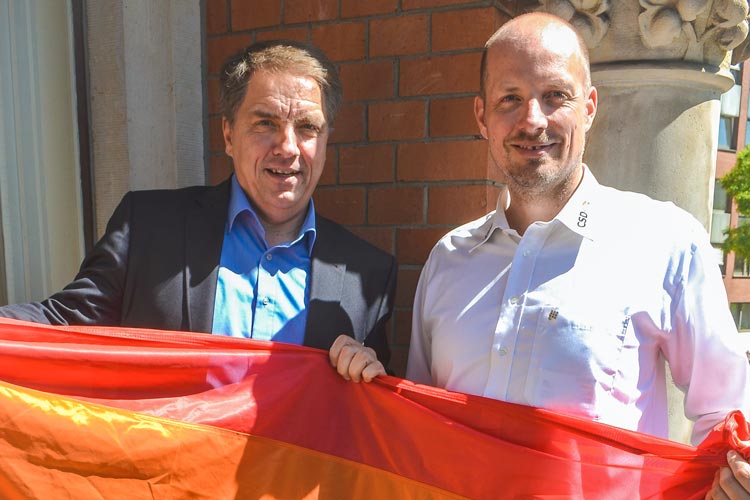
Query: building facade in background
{"points": [[734, 135]]}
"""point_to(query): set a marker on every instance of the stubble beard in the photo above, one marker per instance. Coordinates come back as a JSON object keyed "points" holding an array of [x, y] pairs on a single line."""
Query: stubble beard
{"points": [[534, 180]]}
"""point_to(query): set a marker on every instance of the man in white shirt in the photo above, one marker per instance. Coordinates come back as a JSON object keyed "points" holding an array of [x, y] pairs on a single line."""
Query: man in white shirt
{"points": [[571, 295]]}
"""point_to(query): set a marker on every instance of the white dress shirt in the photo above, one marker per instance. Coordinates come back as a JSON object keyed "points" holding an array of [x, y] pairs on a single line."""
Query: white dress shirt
{"points": [[578, 315]]}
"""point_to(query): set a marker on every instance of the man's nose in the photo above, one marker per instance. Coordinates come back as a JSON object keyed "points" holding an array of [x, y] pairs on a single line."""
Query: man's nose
{"points": [[534, 118], [286, 142]]}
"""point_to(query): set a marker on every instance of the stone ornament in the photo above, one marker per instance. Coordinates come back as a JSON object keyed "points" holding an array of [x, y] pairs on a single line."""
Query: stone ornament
{"points": [[691, 26], [589, 17]]}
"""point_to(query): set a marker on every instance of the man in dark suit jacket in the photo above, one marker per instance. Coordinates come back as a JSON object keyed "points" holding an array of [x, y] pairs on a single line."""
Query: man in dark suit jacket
{"points": [[161, 259]]}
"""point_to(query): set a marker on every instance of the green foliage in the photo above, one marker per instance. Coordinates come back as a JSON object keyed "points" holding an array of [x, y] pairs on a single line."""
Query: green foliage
{"points": [[737, 185], [738, 241]]}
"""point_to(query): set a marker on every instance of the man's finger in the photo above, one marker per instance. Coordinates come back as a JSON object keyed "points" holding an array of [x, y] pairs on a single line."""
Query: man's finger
{"points": [[740, 469], [372, 370], [335, 350], [359, 362]]}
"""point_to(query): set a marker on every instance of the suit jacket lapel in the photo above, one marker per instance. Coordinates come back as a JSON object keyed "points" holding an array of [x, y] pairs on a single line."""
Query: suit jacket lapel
{"points": [[205, 222]]}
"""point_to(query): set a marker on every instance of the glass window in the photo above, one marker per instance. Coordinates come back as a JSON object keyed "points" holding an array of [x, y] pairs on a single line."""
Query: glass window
{"points": [[742, 266], [741, 314], [727, 124], [730, 112], [720, 218], [721, 214]]}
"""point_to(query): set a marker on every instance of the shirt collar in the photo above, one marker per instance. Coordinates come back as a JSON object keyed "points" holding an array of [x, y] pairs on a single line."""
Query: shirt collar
{"points": [[239, 203], [575, 215]]}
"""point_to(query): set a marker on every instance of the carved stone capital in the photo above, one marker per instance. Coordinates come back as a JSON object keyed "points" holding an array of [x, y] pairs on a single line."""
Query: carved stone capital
{"points": [[590, 17], [711, 32]]}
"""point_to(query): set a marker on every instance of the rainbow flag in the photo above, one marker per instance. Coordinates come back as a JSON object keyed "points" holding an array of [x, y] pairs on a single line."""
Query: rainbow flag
{"points": [[117, 413]]}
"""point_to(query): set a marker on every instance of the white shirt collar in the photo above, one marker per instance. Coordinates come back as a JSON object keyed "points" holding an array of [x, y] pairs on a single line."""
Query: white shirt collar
{"points": [[575, 215]]}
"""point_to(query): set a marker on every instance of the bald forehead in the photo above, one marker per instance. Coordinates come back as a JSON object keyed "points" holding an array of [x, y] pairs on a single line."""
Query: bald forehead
{"points": [[551, 32], [537, 35]]}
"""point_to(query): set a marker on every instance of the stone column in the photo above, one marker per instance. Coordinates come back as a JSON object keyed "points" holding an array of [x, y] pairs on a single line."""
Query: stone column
{"points": [[660, 67], [146, 97]]}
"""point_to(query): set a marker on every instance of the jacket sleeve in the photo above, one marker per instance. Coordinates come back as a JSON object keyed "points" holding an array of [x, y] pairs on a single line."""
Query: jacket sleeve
{"points": [[94, 297], [377, 337]]}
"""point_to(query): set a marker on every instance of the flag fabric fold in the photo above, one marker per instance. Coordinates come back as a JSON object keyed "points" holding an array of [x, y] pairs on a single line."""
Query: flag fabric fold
{"points": [[89, 412]]}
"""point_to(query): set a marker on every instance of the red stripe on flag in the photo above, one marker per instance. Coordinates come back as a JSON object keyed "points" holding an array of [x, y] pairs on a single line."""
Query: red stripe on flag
{"points": [[467, 445]]}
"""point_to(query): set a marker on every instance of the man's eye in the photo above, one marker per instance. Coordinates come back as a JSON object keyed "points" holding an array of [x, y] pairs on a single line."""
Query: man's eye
{"points": [[558, 96], [309, 129]]}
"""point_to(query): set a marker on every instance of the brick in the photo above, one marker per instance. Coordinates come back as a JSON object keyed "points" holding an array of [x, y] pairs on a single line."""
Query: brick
{"points": [[367, 80], [442, 161], [398, 35], [439, 74], [402, 319], [463, 29], [456, 205], [216, 16], [349, 125], [219, 168], [407, 286], [215, 135], [330, 169], [395, 205], [357, 8], [220, 49], [297, 34], [247, 15], [396, 120], [341, 41], [365, 164], [343, 205], [381, 237], [413, 246], [452, 117], [212, 95], [399, 357], [303, 11], [421, 4]]}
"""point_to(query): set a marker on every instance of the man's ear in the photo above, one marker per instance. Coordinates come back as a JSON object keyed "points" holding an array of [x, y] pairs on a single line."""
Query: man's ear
{"points": [[591, 103], [479, 115], [226, 130]]}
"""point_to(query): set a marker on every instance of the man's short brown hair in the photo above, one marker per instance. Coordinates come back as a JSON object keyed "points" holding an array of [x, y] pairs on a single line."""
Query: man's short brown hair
{"points": [[298, 58]]}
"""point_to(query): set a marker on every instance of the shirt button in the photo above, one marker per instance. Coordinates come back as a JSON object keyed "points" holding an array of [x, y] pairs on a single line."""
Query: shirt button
{"points": [[269, 256], [514, 300], [265, 301], [526, 253], [502, 351]]}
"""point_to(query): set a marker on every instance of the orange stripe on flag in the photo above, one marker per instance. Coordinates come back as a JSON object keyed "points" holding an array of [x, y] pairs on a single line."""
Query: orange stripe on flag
{"points": [[56, 447]]}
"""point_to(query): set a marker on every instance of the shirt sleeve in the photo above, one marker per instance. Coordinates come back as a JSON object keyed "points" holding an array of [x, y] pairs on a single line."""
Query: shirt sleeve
{"points": [[704, 349]]}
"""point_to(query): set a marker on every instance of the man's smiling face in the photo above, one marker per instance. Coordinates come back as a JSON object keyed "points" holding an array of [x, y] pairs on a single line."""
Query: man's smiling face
{"points": [[536, 111], [278, 143]]}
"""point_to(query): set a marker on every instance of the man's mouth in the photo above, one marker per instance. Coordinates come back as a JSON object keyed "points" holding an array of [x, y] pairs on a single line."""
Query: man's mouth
{"points": [[285, 173], [533, 148]]}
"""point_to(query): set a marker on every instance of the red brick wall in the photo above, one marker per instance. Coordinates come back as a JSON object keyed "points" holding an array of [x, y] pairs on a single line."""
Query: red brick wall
{"points": [[404, 164]]}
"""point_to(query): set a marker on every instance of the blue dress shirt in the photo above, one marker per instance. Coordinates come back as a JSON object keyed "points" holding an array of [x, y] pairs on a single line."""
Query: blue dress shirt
{"points": [[261, 291]]}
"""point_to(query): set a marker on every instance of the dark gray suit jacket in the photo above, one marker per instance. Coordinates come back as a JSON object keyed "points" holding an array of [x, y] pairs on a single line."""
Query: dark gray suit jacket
{"points": [[157, 264]]}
